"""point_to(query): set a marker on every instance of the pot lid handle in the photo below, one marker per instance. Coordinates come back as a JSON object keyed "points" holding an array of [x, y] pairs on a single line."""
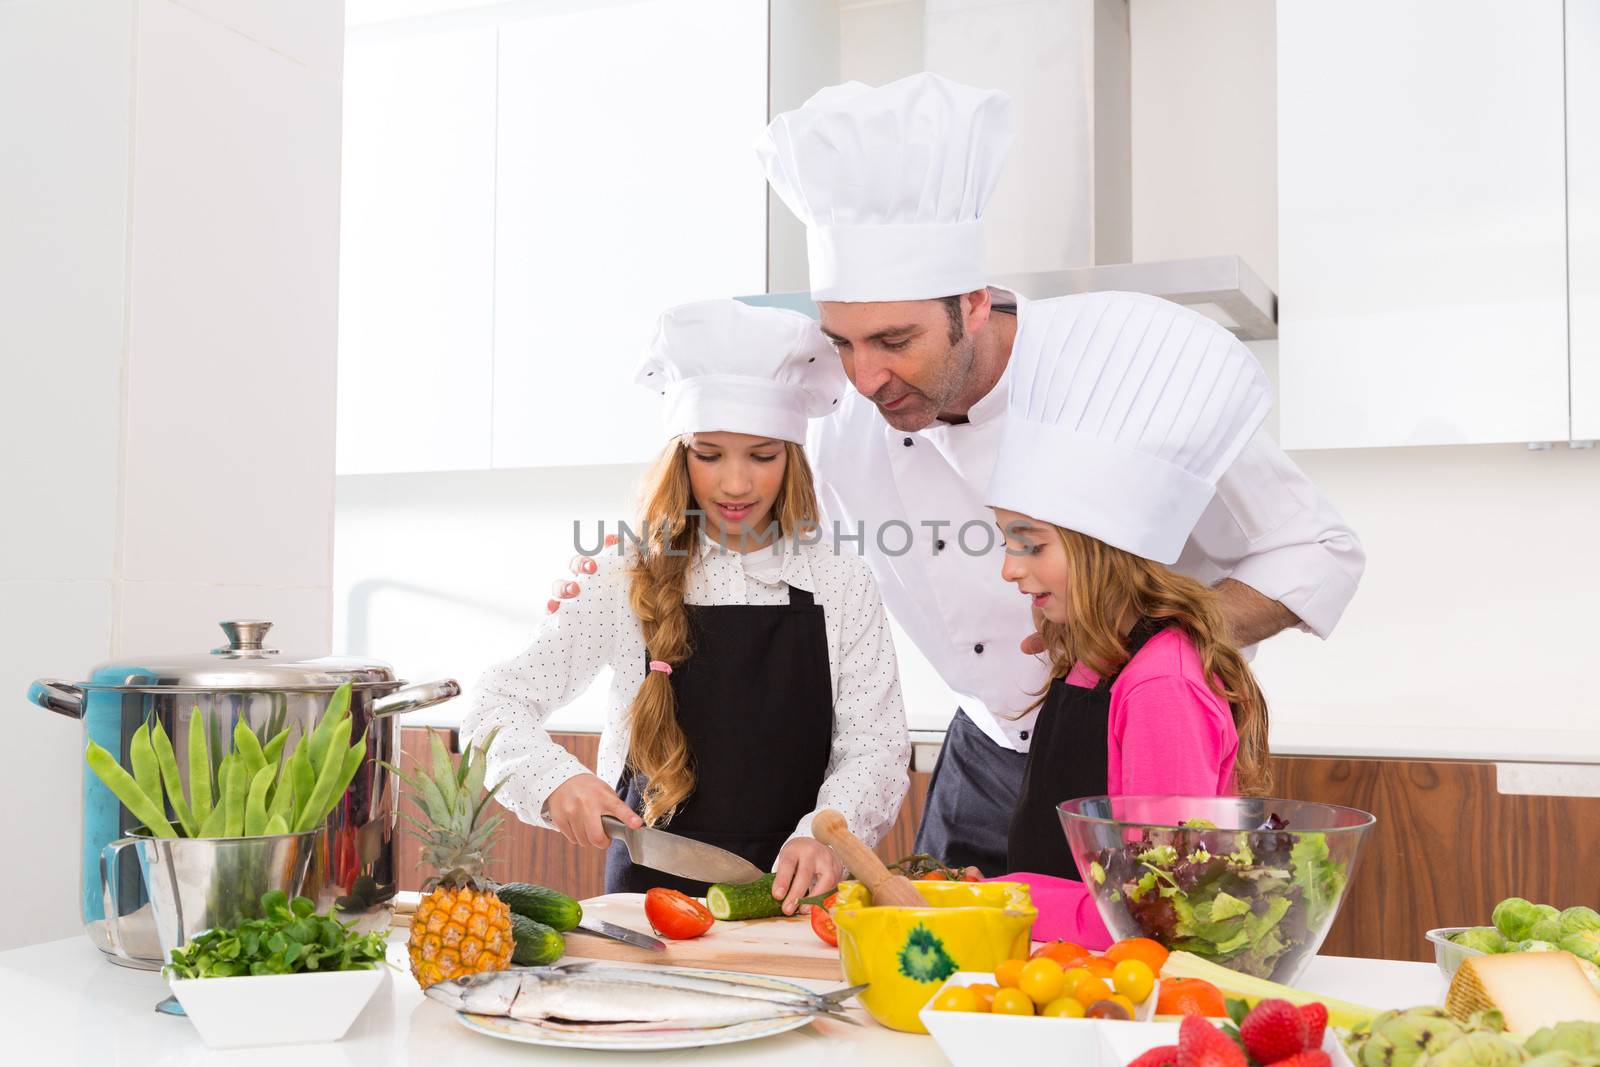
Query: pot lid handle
{"points": [[244, 635]]}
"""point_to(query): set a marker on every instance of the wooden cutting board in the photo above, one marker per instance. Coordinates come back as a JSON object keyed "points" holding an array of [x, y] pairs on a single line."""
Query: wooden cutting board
{"points": [[783, 946]]}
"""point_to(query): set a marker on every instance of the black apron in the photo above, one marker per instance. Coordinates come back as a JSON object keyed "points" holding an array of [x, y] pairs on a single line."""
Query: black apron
{"points": [[755, 701], [971, 796], [1066, 760]]}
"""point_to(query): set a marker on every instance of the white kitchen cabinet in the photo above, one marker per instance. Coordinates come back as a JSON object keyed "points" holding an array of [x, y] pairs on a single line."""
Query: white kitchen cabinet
{"points": [[1583, 213], [627, 183], [416, 279], [1422, 221]]}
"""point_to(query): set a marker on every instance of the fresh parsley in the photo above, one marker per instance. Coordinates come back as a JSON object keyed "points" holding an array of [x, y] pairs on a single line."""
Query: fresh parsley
{"points": [[291, 939]]}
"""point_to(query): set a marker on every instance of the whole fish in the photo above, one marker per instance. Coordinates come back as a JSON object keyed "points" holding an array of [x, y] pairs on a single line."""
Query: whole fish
{"points": [[589, 997]]}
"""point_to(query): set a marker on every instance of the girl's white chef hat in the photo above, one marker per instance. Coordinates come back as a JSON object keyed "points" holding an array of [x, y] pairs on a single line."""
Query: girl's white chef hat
{"points": [[1124, 411], [891, 184], [725, 365]]}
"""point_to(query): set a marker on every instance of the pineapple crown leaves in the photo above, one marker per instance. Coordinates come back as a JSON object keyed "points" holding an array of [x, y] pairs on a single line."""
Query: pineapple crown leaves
{"points": [[452, 801]]}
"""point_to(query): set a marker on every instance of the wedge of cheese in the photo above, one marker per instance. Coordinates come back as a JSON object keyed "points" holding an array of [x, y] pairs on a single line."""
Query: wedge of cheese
{"points": [[1530, 989]]}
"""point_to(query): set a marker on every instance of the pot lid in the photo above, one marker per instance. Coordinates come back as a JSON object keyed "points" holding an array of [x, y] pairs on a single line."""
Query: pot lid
{"points": [[245, 662]]}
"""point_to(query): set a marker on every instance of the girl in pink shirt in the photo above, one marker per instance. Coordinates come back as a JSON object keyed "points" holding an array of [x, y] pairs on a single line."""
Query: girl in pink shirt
{"points": [[1123, 411]]}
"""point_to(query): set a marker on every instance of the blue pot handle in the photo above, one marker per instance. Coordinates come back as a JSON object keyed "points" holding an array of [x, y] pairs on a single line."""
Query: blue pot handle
{"points": [[63, 698]]}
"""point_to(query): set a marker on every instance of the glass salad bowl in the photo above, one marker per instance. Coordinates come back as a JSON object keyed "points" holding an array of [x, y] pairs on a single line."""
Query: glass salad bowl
{"points": [[1251, 883]]}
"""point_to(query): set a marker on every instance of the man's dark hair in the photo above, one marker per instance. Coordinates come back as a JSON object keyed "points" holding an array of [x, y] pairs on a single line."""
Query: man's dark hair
{"points": [[952, 308]]}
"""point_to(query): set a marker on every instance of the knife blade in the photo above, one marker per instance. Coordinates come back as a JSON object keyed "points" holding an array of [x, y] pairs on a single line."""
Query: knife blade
{"points": [[680, 856], [601, 928]]}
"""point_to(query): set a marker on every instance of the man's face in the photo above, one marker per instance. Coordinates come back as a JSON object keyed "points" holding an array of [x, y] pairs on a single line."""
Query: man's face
{"points": [[906, 356]]}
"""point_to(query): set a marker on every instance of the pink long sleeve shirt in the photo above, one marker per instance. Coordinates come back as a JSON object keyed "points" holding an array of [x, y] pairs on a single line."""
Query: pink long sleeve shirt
{"points": [[1168, 733]]}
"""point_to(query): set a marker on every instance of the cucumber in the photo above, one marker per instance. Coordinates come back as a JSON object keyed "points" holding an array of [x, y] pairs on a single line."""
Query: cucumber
{"points": [[555, 910], [752, 900], [536, 943]]}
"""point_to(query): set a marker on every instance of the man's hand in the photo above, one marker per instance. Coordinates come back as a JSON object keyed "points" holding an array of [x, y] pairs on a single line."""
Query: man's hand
{"points": [[1250, 616], [805, 868], [577, 804], [564, 590]]}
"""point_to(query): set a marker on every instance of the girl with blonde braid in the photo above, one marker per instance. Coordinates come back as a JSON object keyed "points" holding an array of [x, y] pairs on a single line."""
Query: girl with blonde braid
{"points": [[753, 675]]}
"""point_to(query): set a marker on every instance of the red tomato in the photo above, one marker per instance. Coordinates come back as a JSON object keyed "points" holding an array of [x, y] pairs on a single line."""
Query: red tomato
{"points": [[822, 921], [674, 915]]}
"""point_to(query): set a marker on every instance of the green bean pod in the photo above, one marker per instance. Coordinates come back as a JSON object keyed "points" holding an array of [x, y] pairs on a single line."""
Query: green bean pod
{"points": [[275, 826], [167, 760], [215, 824], [347, 773], [338, 710], [255, 804], [281, 799], [126, 789], [234, 792], [248, 745], [327, 777], [273, 749], [304, 777], [146, 769], [199, 768]]}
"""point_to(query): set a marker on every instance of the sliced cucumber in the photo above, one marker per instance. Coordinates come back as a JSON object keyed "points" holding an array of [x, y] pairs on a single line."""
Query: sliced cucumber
{"points": [[752, 900]]}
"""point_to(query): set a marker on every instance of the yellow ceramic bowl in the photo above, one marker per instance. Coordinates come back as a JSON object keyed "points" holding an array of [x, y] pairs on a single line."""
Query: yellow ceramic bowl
{"points": [[904, 955]]}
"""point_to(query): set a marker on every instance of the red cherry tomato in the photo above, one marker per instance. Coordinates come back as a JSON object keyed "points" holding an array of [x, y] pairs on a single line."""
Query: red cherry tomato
{"points": [[822, 921], [674, 915]]}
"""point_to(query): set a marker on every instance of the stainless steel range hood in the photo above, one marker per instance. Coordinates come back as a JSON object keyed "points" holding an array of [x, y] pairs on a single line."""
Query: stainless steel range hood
{"points": [[1222, 288]]}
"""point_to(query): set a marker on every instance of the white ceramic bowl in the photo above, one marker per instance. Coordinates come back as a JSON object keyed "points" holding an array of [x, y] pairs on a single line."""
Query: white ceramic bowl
{"points": [[276, 1009]]}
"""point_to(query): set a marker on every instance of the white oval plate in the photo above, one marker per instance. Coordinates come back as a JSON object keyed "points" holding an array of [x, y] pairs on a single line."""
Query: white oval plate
{"points": [[533, 1033]]}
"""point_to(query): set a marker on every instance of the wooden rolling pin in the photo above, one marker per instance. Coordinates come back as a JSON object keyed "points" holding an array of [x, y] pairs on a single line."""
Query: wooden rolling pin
{"points": [[894, 890]]}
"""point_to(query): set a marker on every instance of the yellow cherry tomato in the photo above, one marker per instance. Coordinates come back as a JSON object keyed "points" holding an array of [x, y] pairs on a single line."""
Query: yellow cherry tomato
{"points": [[1008, 972], [1133, 979], [1127, 1005], [1012, 1002], [1043, 980], [1063, 1008], [956, 998], [985, 994]]}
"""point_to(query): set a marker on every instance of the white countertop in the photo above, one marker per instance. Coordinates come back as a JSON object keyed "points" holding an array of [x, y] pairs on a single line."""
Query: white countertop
{"points": [[64, 1002]]}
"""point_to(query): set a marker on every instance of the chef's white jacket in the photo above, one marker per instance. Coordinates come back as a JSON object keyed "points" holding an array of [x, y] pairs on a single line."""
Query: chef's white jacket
{"points": [[913, 504]]}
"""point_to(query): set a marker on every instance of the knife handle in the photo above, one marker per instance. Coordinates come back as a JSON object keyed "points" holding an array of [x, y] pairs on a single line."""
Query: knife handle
{"points": [[613, 827], [886, 888]]}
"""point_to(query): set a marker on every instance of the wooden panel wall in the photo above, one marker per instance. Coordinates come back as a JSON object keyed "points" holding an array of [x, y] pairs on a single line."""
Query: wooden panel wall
{"points": [[1447, 846], [543, 857]]}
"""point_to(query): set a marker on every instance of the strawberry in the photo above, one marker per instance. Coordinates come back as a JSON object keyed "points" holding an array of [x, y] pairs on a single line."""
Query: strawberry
{"points": [[1311, 1057], [1202, 1045], [1274, 1030], [1316, 1017], [1165, 1056]]}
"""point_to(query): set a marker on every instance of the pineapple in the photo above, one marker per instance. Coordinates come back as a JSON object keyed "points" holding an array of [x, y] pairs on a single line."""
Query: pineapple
{"points": [[461, 927]]}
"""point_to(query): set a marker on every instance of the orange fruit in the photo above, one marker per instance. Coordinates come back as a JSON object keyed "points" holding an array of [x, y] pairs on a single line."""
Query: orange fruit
{"points": [[985, 994], [1100, 967], [1063, 952], [1043, 980], [1008, 972], [1133, 979], [1012, 1002], [1191, 996], [1139, 948]]}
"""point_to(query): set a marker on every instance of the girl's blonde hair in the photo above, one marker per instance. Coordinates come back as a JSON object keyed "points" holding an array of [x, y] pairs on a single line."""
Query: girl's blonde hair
{"points": [[1107, 586], [657, 748]]}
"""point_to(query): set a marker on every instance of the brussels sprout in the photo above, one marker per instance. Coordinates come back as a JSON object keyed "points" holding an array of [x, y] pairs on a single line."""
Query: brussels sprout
{"points": [[1585, 946], [1576, 1037], [1579, 920], [1514, 918], [1534, 946], [1547, 929], [1482, 938]]}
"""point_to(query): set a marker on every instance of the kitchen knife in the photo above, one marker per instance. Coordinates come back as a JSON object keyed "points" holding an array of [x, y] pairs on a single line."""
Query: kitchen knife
{"points": [[681, 856], [601, 928]]}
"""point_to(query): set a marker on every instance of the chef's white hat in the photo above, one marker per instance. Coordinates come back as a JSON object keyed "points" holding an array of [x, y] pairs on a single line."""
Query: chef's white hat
{"points": [[891, 184], [1124, 411], [724, 365]]}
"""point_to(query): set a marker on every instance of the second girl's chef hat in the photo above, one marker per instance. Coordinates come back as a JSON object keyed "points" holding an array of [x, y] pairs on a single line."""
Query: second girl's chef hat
{"points": [[891, 184], [724, 365], [1124, 411]]}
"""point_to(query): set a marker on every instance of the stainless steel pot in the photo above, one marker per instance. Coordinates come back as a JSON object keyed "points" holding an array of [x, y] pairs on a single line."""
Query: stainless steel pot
{"points": [[353, 863]]}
